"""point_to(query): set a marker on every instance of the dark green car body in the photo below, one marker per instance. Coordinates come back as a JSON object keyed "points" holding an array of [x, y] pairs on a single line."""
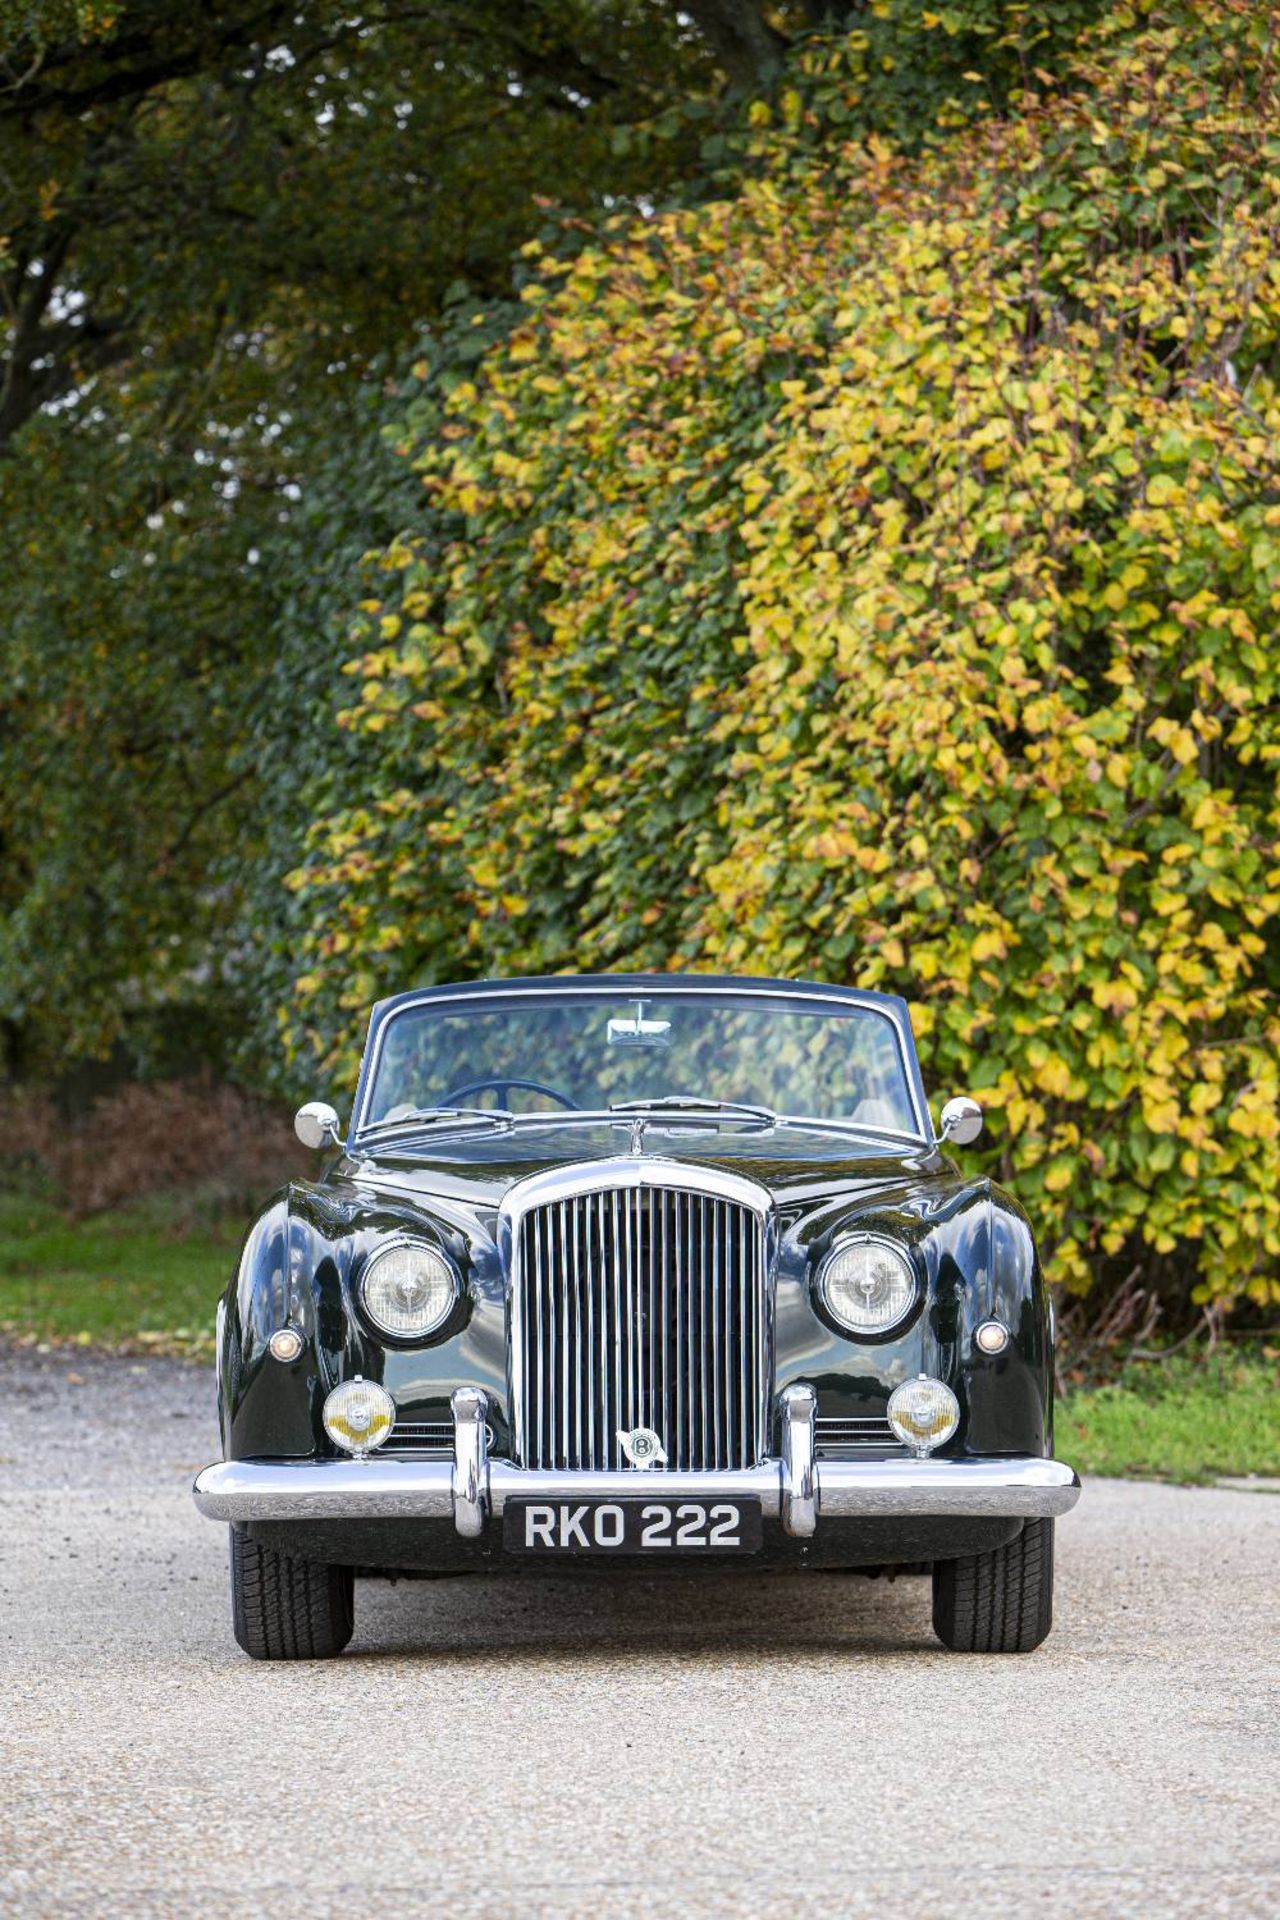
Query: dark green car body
{"points": [[969, 1244]]}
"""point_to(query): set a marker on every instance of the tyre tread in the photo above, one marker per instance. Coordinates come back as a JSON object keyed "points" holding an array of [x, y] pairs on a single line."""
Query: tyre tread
{"points": [[997, 1602], [285, 1608]]}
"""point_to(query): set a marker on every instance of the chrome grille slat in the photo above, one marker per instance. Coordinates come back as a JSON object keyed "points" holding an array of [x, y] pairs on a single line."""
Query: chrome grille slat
{"points": [[640, 1306], [745, 1433], [715, 1404], [566, 1336], [422, 1439], [670, 1317], [693, 1344], [678, 1315], [633, 1332], [539, 1343], [762, 1362], [835, 1436], [591, 1345], [618, 1321]]}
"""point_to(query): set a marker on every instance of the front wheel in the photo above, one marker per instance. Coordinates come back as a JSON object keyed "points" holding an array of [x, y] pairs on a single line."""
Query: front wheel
{"points": [[999, 1602], [288, 1609]]}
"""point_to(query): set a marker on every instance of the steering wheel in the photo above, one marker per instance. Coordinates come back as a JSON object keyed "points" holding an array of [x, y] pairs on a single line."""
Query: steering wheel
{"points": [[502, 1086]]}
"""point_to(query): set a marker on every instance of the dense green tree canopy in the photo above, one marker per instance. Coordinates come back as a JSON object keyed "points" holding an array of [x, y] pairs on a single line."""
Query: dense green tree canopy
{"points": [[219, 226]]}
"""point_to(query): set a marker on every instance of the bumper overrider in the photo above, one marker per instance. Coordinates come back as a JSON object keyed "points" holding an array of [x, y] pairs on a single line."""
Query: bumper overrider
{"points": [[796, 1489]]}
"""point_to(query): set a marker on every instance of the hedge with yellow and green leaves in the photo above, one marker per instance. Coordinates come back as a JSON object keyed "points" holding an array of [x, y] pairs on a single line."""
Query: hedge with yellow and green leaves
{"points": [[875, 577]]}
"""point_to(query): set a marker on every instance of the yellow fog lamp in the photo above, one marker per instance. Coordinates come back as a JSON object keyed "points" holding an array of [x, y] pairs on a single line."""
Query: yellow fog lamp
{"points": [[924, 1414], [358, 1416]]}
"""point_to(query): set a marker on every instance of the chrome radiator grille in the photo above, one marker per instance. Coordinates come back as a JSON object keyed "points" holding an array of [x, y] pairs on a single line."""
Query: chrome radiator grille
{"points": [[635, 1307]]}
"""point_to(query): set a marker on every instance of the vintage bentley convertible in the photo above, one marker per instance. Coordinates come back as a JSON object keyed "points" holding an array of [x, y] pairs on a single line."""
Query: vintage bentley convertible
{"points": [[644, 1269]]}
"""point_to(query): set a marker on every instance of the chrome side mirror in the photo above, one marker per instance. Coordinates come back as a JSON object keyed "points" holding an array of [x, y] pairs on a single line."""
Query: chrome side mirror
{"points": [[961, 1121], [316, 1124]]}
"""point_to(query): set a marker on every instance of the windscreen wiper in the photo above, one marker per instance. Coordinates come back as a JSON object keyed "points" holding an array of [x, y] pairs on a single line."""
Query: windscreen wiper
{"points": [[691, 1103], [832, 1124], [422, 1117]]}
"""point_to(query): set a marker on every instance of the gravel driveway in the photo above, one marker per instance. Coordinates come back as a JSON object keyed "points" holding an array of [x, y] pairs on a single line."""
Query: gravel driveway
{"points": [[716, 1745]]}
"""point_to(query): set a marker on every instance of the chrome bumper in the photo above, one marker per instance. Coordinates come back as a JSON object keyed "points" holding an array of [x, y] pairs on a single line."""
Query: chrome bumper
{"points": [[407, 1490], [796, 1489]]}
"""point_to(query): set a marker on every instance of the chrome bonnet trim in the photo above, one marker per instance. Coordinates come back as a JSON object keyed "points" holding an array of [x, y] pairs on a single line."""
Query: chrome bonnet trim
{"points": [[1006, 1488], [631, 1170]]}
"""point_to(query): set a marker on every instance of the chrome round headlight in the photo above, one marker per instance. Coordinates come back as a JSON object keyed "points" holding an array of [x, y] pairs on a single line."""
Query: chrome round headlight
{"points": [[867, 1284], [924, 1413], [359, 1415], [408, 1290]]}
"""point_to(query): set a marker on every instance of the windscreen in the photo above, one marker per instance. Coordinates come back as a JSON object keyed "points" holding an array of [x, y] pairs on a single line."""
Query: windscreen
{"points": [[555, 1051]]}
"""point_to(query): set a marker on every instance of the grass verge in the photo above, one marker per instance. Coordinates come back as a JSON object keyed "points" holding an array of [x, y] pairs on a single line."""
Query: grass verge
{"points": [[145, 1277], [1188, 1418]]}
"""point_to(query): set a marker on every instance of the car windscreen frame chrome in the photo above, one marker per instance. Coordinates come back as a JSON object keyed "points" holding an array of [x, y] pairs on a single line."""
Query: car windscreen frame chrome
{"points": [[886, 1007]]}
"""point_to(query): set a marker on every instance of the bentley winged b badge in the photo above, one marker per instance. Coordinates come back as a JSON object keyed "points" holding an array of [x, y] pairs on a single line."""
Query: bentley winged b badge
{"points": [[642, 1447]]}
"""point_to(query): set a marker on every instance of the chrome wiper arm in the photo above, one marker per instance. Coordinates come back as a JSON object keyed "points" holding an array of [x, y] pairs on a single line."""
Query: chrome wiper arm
{"points": [[421, 1117], [692, 1103], [833, 1124]]}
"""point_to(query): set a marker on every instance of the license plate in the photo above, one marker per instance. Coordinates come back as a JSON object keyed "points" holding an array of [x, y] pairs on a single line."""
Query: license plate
{"points": [[632, 1526]]}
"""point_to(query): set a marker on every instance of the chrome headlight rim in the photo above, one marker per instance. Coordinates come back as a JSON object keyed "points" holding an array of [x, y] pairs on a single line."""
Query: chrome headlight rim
{"points": [[860, 1236], [416, 1243]]}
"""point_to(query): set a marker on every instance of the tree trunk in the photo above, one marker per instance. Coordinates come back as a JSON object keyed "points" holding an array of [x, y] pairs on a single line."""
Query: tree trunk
{"points": [[742, 41]]}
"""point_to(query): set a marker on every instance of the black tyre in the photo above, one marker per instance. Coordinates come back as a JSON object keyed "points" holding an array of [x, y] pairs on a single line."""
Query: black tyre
{"points": [[999, 1602], [285, 1609]]}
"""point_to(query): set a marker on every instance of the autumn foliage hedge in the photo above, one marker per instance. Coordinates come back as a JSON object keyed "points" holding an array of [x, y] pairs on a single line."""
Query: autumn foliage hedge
{"points": [[875, 577], [203, 1142]]}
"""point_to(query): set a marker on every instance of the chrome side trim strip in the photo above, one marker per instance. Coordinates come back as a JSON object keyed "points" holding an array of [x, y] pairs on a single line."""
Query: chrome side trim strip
{"points": [[1014, 1487], [799, 1485], [470, 1462]]}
